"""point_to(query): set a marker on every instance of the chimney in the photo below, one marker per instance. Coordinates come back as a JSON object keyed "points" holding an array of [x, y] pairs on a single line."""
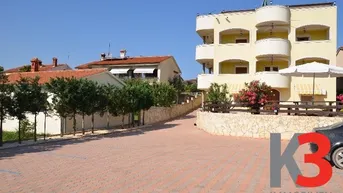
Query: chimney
{"points": [[102, 56], [34, 65], [123, 54], [54, 61]]}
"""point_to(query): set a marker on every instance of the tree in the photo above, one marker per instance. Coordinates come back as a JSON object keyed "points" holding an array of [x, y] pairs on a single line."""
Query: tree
{"points": [[218, 93], [114, 108], [146, 99], [122, 102], [86, 99], [60, 98], [38, 101], [106, 92], [254, 95], [191, 87], [163, 94], [75, 95], [20, 102], [5, 99], [100, 103], [26, 68], [132, 88], [177, 82]]}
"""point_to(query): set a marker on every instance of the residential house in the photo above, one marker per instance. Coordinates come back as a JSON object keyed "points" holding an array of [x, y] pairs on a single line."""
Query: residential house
{"points": [[39, 66], [159, 68], [54, 123], [339, 55], [239, 46]]}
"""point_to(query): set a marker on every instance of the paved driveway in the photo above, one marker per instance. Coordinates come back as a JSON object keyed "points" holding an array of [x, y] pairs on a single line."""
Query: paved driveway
{"points": [[174, 157]]}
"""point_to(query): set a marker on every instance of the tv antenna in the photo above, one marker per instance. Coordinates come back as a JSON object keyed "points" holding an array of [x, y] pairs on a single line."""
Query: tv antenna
{"points": [[109, 50]]}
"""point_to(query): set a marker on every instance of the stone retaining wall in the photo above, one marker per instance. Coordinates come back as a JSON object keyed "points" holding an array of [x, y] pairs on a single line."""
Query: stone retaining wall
{"points": [[159, 114], [260, 126]]}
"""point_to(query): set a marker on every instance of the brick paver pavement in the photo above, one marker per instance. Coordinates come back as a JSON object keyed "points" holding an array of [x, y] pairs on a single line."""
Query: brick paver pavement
{"points": [[171, 157]]}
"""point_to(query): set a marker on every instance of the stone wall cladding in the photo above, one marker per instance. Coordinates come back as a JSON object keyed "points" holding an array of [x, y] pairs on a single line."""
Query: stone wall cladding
{"points": [[260, 126], [160, 114]]}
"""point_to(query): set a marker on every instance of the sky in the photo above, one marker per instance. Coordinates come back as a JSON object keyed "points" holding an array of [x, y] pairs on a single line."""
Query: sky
{"points": [[82, 29]]}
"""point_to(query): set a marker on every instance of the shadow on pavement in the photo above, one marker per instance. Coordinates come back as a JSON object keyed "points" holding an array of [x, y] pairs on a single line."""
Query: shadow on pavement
{"points": [[51, 146]]}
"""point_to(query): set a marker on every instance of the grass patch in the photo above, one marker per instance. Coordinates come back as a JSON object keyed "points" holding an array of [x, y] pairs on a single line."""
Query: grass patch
{"points": [[11, 136]]}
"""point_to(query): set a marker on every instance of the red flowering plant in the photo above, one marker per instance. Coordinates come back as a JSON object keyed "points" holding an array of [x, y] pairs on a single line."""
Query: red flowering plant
{"points": [[255, 95], [340, 98]]}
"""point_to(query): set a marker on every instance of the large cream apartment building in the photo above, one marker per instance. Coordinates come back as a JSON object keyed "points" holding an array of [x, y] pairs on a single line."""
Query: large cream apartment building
{"points": [[244, 45]]}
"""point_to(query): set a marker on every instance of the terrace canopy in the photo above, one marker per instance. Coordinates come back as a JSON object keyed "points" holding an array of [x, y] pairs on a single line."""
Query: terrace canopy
{"points": [[313, 69]]}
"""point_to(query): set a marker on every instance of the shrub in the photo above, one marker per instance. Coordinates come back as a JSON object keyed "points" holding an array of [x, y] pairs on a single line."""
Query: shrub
{"points": [[218, 93], [163, 95], [254, 95]]}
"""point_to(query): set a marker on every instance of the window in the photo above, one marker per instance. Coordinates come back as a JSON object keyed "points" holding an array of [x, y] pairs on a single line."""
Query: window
{"points": [[241, 41], [271, 69], [153, 75], [301, 39], [241, 70]]}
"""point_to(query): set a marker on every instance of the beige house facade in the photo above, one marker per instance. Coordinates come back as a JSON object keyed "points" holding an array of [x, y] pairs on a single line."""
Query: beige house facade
{"points": [[153, 68], [243, 45]]}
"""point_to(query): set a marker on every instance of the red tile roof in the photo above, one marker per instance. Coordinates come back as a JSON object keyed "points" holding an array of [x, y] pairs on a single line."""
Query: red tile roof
{"points": [[129, 60], [45, 76], [44, 67]]}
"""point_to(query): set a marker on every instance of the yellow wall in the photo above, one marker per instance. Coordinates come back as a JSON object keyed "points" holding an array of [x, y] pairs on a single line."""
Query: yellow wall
{"points": [[264, 35], [261, 64], [300, 16], [230, 39], [300, 62], [314, 35], [229, 67]]}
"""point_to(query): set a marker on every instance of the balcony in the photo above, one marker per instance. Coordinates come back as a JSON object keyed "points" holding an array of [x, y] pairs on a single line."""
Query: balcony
{"points": [[204, 53], [310, 49], [272, 14], [205, 24], [273, 79], [205, 80], [233, 52], [272, 47]]}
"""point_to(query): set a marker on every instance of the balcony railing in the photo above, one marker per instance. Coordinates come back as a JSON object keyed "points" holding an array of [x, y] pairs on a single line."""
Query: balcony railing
{"points": [[273, 79], [272, 46], [204, 52], [205, 22], [276, 14]]}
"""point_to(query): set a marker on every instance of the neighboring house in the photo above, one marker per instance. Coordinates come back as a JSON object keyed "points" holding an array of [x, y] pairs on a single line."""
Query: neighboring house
{"points": [[159, 68], [339, 56], [54, 123], [37, 65], [243, 45]]}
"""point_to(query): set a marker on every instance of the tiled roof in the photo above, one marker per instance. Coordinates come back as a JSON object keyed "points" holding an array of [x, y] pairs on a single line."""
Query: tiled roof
{"points": [[129, 60], [45, 76], [44, 67]]}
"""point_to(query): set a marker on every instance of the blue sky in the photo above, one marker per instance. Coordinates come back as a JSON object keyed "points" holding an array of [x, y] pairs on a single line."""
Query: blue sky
{"points": [[46, 29]]}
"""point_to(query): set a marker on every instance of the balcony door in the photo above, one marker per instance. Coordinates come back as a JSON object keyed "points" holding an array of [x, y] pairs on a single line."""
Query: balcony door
{"points": [[274, 96], [241, 70]]}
